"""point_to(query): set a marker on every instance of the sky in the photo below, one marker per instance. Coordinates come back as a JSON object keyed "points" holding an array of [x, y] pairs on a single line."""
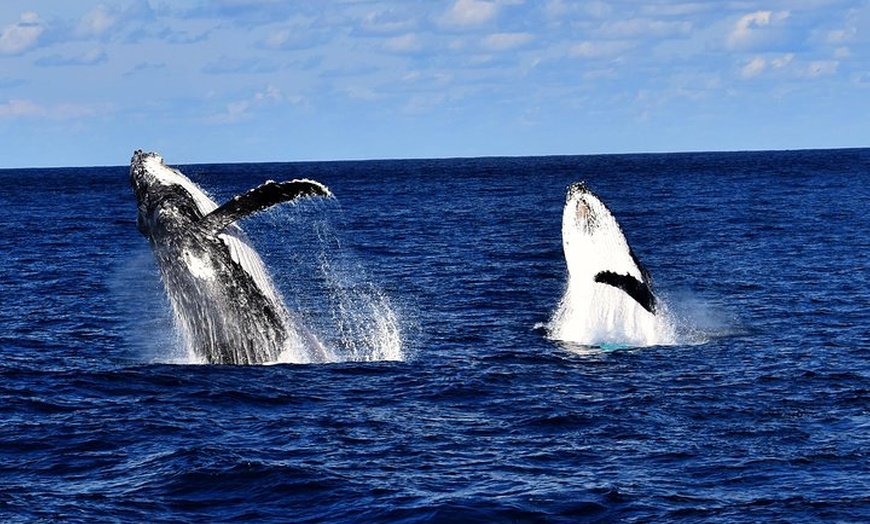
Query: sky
{"points": [[86, 83]]}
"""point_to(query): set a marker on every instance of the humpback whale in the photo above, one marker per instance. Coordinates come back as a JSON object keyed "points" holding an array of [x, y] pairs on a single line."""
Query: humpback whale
{"points": [[608, 299], [224, 302]]}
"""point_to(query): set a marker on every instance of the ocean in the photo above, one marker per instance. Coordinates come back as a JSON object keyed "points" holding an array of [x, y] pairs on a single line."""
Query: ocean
{"points": [[437, 279]]}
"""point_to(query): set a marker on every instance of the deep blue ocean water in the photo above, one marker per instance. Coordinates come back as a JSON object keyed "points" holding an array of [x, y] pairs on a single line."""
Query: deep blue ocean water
{"points": [[762, 256]]}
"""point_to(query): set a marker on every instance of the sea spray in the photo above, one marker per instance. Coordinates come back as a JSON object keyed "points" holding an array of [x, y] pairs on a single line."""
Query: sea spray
{"points": [[366, 327], [144, 312], [594, 316], [353, 316], [698, 321]]}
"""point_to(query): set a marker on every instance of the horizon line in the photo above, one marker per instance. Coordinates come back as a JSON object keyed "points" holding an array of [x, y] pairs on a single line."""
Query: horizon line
{"points": [[458, 157]]}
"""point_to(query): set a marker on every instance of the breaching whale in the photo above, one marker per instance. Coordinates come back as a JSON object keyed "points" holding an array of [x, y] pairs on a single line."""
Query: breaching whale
{"points": [[224, 302], [608, 300]]}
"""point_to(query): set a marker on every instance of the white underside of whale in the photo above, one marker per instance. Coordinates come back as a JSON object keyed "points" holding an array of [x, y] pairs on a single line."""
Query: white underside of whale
{"points": [[592, 313]]}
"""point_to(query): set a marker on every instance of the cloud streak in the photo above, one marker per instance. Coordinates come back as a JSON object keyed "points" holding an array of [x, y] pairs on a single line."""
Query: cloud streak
{"points": [[30, 110], [758, 29], [21, 36], [470, 13]]}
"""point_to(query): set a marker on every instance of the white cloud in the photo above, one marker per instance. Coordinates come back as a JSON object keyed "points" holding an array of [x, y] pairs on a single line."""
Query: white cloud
{"points": [[600, 49], [506, 41], [386, 23], [758, 65], [20, 108], [225, 65], [21, 36], [271, 93], [677, 9], [239, 110], [559, 9], [77, 111], [362, 93], [820, 68], [754, 67], [644, 28], [408, 43], [16, 109], [556, 8], [298, 34], [438, 80], [842, 52], [790, 66], [96, 22], [861, 79], [756, 29], [839, 36], [695, 86], [424, 103], [782, 61], [470, 13], [89, 58]]}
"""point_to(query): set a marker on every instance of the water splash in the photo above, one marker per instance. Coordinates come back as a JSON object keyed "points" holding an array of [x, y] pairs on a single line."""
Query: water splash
{"points": [[355, 319], [697, 321], [600, 316], [144, 312], [365, 322], [683, 319]]}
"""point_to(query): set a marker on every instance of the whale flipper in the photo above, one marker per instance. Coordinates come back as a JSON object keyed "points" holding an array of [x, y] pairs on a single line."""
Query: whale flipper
{"points": [[258, 199], [639, 291]]}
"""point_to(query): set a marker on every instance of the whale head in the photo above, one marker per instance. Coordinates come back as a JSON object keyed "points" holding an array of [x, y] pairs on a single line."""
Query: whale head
{"points": [[168, 202], [584, 210], [596, 249]]}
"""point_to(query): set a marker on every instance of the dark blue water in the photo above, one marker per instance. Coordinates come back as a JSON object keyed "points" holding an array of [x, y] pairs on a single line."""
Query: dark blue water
{"points": [[763, 256]]}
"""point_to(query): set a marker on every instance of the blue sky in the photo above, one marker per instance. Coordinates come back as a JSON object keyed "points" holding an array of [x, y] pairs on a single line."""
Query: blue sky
{"points": [[87, 82]]}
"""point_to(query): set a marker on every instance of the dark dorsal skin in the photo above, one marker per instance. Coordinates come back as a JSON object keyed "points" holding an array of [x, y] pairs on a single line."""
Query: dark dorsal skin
{"points": [[258, 199], [639, 291]]}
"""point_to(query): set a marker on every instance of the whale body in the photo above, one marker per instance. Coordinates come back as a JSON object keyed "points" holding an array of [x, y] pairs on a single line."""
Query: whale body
{"points": [[224, 302], [608, 300]]}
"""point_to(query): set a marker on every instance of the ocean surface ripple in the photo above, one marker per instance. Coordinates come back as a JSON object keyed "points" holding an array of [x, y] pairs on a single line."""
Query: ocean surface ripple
{"points": [[763, 417]]}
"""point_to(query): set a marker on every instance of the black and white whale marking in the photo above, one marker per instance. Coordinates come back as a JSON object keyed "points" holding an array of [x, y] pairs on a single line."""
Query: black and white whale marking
{"points": [[609, 297], [619, 267], [223, 299]]}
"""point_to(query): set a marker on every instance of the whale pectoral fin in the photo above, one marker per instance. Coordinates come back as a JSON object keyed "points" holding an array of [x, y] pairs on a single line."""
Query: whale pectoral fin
{"points": [[260, 198], [639, 291]]}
